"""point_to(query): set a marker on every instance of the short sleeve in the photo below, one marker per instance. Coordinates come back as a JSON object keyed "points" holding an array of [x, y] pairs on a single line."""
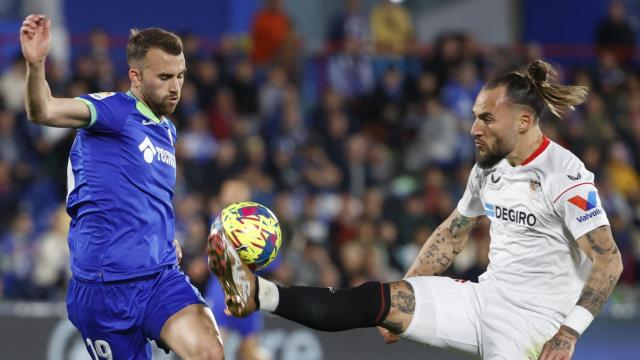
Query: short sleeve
{"points": [[470, 205], [579, 205], [105, 114]]}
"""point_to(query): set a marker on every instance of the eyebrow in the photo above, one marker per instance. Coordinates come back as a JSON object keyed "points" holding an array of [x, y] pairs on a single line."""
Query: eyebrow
{"points": [[483, 116], [172, 74]]}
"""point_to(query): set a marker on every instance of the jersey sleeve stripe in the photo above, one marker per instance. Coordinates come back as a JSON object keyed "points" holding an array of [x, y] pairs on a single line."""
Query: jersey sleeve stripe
{"points": [[574, 186], [92, 110]]}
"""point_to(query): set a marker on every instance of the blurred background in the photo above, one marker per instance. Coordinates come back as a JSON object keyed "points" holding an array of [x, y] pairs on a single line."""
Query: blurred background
{"points": [[349, 119]]}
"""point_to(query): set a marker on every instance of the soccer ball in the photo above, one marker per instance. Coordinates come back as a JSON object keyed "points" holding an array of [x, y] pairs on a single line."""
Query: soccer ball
{"points": [[253, 230]]}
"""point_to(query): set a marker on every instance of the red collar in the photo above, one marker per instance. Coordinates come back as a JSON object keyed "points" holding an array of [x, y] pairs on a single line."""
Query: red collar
{"points": [[539, 150]]}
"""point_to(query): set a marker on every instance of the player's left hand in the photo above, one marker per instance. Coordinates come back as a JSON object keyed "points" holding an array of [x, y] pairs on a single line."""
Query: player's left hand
{"points": [[561, 345], [176, 244]]}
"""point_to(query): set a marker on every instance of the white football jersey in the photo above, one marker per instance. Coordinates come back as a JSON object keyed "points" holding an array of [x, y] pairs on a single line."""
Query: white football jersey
{"points": [[537, 210]]}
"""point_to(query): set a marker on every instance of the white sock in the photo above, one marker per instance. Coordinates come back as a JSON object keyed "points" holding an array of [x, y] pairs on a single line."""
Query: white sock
{"points": [[268, 295]]}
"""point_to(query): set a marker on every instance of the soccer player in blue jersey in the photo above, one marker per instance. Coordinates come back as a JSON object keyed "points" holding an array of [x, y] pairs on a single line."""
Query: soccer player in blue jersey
{"points": [[127, 288]]}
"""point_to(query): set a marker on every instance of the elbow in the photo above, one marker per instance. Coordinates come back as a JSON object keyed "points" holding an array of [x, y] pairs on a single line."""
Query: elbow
{"points": [[36, 117], [618, 266], [33, 119], [614, 265], [610, 264]]}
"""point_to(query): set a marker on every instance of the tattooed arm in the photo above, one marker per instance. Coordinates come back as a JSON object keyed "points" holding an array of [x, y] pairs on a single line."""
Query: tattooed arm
{"points": [[443, 245], [599, 245], [436, 256], [607, 267]]}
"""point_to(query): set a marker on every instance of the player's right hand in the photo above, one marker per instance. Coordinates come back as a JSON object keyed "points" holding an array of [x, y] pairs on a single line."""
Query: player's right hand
{"points": [[388, 336], [35, 38]]}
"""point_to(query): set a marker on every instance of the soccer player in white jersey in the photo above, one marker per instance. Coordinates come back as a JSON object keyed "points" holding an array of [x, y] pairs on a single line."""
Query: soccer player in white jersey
{"points": [[553, 260]]}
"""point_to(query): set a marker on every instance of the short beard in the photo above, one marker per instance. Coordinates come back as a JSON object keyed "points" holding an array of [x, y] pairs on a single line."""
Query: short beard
{"points": [[159, 108], [163, 109], [492, 157]]}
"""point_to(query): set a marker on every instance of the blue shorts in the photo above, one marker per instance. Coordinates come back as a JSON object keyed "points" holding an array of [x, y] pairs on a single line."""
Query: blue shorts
{"points": [[246, 326], [121, 317]]}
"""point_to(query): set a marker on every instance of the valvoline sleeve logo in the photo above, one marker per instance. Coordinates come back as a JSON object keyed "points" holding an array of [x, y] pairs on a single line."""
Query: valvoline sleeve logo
{"points": [[585, 204]]}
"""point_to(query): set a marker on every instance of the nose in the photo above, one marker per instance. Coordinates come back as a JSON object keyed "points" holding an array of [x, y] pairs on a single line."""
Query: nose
{"points": [[174, 85], [475, 128]]}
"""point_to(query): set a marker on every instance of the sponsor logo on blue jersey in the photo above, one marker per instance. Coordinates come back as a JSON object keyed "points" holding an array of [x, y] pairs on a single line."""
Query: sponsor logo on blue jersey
{"points": [[151, 152]]}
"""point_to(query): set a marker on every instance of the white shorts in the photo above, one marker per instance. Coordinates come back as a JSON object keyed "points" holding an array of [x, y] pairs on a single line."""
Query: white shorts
{"points": [[475, 318]]}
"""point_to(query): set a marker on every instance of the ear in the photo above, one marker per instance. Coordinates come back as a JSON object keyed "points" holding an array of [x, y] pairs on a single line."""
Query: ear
{"points": [[526, 120], [135, 76]]}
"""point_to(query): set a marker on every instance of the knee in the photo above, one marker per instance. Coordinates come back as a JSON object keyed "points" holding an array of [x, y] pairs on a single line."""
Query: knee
{"points": [[206, 351], [252, 351]]}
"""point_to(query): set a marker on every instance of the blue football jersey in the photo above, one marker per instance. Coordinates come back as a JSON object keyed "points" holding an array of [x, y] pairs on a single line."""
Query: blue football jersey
{"points": [[120, 179]]}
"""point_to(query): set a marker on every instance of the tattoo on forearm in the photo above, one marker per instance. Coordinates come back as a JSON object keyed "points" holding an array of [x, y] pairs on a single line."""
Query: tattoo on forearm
{"points": [[444, 261], [605, 270], [393, 326], [593, 299], [600, 243], [445, 243]]}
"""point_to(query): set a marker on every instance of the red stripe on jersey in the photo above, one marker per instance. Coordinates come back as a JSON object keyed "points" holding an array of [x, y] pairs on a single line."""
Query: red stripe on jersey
{"points": [[382, 303], [539, 150], [576, 185]]}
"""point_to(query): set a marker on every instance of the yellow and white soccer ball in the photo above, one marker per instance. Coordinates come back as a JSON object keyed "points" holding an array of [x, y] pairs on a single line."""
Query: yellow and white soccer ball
{"points": [[253, 230]]}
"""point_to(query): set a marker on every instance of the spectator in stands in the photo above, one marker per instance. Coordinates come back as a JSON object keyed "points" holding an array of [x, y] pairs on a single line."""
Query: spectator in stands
{"points": [[615, 34], [351, 71], [197, 148], [17, 257], [437, 137], [9, 194], [51, 272], [222, 114], [99, 44], [459, 93], [271, 30], [624, 177], [244, 88], [391, 27], [11, 80], [206, 80], [350, 23], [271, 93]]}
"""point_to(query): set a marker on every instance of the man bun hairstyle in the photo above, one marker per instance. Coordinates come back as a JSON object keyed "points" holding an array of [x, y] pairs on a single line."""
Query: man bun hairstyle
{"points": [[141, 41], [538, 88]]}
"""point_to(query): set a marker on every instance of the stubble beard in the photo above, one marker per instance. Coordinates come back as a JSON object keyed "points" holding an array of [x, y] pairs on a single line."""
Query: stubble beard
{"points": [[161, 107], [492, 156]]}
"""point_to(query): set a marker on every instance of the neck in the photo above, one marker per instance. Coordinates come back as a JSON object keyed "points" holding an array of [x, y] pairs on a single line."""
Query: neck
{"points": [[138, 95], [528, 144]]}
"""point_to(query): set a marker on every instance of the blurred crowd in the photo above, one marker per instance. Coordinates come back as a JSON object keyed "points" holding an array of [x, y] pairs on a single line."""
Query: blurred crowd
{"points": [[361, 150]]}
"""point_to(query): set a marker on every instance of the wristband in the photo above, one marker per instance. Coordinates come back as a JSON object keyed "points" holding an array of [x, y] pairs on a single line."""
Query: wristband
{"points": [[578, 319]]}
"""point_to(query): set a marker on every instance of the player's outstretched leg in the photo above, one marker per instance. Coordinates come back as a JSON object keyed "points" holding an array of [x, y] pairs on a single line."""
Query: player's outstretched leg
{"points": [[236, 279], [368, 305]]}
